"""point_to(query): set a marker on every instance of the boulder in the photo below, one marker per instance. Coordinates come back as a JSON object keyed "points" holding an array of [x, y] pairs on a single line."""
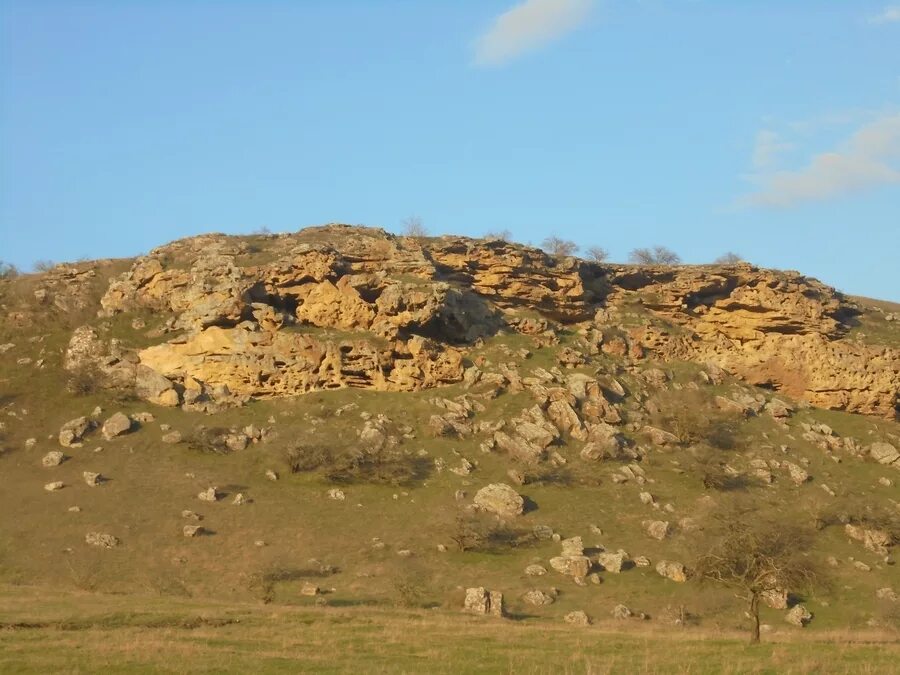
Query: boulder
{"points": [[101, 540], [622, 612], [671, 570], [53, 458], [153, 387], [875, 540], [798, 615], [73, 431], [884, 453], [116, 425], [658, 529], [613, 562], [208, 495], [172, 437], [577, 566], [54, 486], [191, 531], [577, 618], [535, 570], [91, 478], [500, 499], [481, 601], [538, 598]]}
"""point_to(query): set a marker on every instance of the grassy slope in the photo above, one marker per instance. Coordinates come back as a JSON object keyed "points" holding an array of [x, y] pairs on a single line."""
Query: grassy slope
{"points": [[42, 543]]}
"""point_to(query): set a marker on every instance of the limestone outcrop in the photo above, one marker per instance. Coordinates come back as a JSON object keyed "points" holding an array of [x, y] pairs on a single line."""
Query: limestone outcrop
{"points": [[342, 306]]}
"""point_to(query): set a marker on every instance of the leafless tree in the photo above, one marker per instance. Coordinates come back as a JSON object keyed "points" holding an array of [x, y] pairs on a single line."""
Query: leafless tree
{"points": [[43, 265], [656, 255], [755, 555], [414, 227], [597, 253], [729, 258], [556, 246]]}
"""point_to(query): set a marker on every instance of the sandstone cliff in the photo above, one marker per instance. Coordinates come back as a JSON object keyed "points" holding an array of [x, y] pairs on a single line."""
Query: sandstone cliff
{"points": [[341, 306]]}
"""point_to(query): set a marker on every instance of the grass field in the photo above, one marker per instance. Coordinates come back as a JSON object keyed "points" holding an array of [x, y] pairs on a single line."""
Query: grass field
{"points": [[86, 633]]}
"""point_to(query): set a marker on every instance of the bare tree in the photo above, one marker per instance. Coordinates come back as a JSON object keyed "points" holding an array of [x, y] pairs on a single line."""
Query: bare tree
{"points": [[43, 265], [414, 227], [756, 556], [556, 246], [729, 258], [657, 255], [597, 253], [499, 235]]}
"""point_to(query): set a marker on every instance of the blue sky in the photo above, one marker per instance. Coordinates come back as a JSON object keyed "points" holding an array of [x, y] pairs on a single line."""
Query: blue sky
{"points": [[770, 128]]}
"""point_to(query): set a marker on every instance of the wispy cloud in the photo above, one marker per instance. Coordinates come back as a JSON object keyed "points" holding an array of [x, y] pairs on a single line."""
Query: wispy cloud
{"points": [[528, 26], [890, 14], [867, 159], [767, 148]]}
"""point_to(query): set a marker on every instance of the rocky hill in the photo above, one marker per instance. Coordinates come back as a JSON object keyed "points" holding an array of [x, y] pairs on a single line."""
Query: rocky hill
{"points": [[418, 416]]}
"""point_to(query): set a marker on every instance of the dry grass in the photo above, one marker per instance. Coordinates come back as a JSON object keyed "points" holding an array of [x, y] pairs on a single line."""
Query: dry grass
{"points": [[116, 634]]}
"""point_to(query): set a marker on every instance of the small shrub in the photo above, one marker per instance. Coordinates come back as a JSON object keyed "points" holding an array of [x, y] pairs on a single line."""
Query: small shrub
{"points": [[656, 255], [483, 532], [85, 380], [43, 265], [597, 254], [499, 235], [209, 440], [306, 458], [383, 467], [558, 246], [414, 227], [729, 258]]}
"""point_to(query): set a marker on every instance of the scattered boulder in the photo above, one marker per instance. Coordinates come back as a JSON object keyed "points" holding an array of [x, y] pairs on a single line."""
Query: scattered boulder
{"points": [[798, 474], [337, 495], [191, 531], [577, 566], [888, 594], [53, 458], [535, 570], [577, 618], [91, 478], [572, 546], [116, 425], [613, 562], [208, 495], [101, 540], [658, 529], [798, 615], [884, 453], [481, 601], [73, 431], [672, 570], [877, 541], [191, 515], [54, 486], [309, 589], [500, 499], [172, 437], [538, 598], [239, 499], [622, 612], [271, 475]]}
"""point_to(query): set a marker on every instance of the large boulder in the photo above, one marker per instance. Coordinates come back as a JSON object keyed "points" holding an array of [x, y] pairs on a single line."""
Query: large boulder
{"points": [[672, 570], [884, 453], [72, 432], [117, 425], [481, 601], [500, 499]]}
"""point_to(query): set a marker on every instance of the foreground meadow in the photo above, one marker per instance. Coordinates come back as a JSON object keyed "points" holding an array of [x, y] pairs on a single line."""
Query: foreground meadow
{"points": [[84, 633]]}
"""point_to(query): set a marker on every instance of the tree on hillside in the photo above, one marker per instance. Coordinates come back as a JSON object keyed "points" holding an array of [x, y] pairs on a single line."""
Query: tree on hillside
{"points": [[656, 255], [597, 253], [556, 246], [729, 258], [414, 227], [43, 265], [756, 556]]}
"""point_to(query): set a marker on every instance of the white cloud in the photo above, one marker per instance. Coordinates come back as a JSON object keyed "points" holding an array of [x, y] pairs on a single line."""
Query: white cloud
{"points": [[767, 148], [527, 26], [889, 14], [867, 159]]}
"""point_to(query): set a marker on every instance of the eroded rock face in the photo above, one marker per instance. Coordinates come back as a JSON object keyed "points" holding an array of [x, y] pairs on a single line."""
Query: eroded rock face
{"points": [[338, 306], [770, 328]]}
